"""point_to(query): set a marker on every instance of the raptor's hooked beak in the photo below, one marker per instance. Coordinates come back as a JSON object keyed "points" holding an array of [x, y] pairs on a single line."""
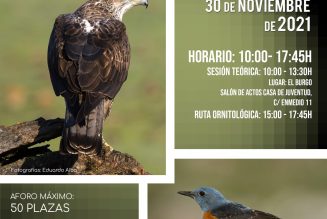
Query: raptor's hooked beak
{"points": [[187, 193], [145, 3]]}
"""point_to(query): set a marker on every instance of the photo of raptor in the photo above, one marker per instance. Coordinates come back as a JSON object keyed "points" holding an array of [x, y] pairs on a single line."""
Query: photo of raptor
{"points": [[88, 61]]}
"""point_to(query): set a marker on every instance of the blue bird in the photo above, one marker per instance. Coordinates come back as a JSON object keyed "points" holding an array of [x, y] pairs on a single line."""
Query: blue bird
{"points": [[216, 206]]}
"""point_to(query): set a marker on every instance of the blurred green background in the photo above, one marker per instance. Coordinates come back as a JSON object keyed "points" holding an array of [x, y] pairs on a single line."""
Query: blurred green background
{"points": [[137, 121], [195, 29], [290, 189], [90, 201]]}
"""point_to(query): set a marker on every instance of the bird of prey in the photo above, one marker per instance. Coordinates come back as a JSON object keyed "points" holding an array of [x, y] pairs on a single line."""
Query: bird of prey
{"points": [[88, 61], [216, 206]]}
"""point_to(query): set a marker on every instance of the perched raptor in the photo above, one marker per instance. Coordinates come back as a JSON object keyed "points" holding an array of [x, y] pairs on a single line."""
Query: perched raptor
{"points": [[88, 60], [215, 206]]}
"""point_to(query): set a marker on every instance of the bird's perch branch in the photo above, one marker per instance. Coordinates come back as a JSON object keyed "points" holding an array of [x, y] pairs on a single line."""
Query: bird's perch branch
{"points": [[18, 157], [29, 133]]}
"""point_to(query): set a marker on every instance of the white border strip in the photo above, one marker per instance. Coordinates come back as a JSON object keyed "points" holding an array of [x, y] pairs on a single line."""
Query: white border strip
{"points": [[143, 201], [85, 179], [170, 90], [251, 154]]}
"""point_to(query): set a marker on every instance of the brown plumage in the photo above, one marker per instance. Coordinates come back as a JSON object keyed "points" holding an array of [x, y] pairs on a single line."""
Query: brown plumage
{"points": [[88, 60]]}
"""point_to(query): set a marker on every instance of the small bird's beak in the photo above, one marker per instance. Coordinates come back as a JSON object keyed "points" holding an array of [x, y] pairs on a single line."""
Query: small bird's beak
{"points": [[186, 193]]}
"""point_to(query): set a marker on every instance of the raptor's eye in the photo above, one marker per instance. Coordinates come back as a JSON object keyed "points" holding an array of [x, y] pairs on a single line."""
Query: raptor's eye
{"points": [[202, 193]]}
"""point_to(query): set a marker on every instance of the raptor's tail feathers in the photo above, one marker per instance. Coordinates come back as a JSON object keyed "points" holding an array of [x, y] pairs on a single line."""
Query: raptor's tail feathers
{"points": [[83, 129]]}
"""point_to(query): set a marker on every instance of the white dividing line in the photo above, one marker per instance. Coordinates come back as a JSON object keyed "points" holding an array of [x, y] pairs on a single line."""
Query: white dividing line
{"points": [[251, 154], [143, 201], [170, 90]]}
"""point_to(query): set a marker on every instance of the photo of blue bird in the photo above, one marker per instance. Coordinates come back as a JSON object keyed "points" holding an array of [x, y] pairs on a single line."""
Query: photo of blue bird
{"points": [[216, 206]]}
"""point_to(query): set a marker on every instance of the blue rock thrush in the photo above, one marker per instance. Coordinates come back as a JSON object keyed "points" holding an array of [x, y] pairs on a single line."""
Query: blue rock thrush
{"points": [[216, 206]]}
